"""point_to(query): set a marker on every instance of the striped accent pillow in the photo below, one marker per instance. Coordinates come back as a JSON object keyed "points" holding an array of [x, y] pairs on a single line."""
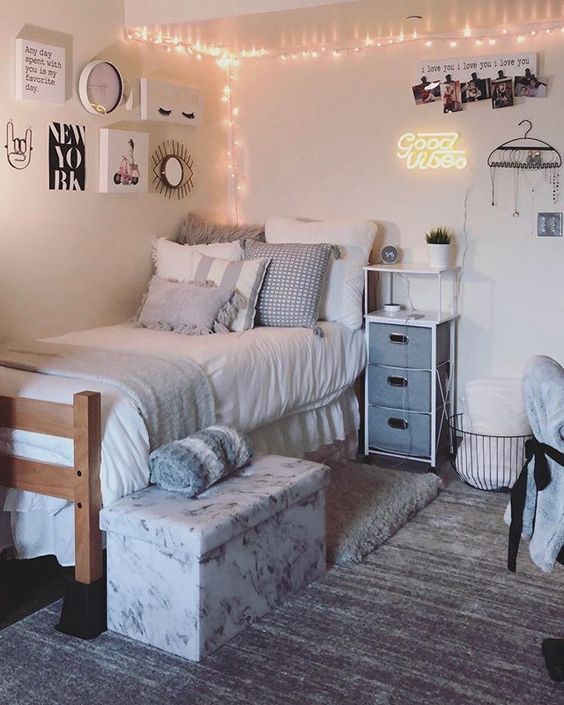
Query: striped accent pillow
{"points": [[245, 277]]}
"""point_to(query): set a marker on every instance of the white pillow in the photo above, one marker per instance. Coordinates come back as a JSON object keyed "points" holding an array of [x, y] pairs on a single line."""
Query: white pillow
{"points": [[342, 298], [495, 407], [174, 261]]}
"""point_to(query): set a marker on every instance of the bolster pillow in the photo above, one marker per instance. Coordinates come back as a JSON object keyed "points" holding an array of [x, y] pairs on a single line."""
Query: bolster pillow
{"points": [[193, 464]]}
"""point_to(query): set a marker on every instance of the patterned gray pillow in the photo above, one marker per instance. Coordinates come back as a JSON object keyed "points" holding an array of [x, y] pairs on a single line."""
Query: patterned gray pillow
{"points": [[293, 283]]}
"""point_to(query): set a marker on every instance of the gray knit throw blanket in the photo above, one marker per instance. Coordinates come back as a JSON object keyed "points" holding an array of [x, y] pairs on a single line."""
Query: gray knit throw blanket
{"points": [[195, 463], [172, 394]]}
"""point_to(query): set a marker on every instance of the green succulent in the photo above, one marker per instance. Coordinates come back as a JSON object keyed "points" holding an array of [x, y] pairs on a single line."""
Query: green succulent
{"points": [[439, 236]]}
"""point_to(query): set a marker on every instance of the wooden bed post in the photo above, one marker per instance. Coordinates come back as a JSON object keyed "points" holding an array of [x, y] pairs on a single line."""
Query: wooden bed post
{"points": [[84, 608], [88, 496]]}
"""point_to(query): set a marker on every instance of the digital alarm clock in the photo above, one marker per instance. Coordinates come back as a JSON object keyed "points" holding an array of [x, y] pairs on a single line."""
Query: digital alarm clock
{"points": [[389, 254]]}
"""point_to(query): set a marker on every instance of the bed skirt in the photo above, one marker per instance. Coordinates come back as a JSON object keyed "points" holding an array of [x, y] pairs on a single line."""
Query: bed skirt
{"points": [[327, 433]]}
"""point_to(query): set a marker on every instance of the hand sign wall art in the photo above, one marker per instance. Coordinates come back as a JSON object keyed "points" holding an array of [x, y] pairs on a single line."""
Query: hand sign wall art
{"points": [[18, 149]]}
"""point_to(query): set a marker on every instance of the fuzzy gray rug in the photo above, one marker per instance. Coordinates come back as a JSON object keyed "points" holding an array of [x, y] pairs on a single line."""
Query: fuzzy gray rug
{"points": [[366, 505]]}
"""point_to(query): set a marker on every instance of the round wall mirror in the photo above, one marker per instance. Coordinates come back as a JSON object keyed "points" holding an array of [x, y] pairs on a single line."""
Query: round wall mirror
{"points": [[172, 171]]}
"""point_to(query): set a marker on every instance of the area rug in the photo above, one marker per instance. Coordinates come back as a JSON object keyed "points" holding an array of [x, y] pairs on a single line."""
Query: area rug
{"points": [[430, 618], [367, 504]]}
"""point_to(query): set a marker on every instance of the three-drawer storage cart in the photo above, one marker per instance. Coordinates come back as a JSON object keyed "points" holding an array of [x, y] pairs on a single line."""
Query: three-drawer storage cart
{"points": [[410, 377]]}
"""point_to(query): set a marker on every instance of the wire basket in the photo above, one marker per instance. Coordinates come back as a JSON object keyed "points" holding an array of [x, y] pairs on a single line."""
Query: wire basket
{"points": [[485, 462]]}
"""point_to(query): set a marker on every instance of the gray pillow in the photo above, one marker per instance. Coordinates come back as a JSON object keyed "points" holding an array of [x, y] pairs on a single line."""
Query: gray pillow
{"points": [[184, 307], [194, 230], [293, 283]]}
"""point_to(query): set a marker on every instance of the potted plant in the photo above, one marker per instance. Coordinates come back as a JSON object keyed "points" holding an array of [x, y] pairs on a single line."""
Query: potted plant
{"points": [[439, 241]]}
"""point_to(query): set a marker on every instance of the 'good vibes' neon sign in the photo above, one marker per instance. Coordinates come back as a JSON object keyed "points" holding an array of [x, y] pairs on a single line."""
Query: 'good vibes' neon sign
{"points": [[431, 150]]}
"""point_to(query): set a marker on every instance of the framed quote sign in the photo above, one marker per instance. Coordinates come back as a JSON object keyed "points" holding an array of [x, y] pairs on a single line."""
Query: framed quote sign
{"points": [[40, 72]]}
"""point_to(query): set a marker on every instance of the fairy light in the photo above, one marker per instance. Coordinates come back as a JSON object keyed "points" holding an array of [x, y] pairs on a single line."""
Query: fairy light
{"points": [[232, 144], [227, 59]]}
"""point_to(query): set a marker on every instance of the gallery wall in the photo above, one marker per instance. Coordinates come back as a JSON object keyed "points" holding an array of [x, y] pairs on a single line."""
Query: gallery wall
{"points": [[72, 260], [318, 139]]}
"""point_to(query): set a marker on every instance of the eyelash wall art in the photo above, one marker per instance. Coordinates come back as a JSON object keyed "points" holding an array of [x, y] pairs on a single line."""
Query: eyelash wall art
{"points": [[171, 103]]}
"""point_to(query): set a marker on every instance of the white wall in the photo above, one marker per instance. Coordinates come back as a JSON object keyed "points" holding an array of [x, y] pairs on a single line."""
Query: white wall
{"points": [[76, 260], [150, 12], [318, 139]]}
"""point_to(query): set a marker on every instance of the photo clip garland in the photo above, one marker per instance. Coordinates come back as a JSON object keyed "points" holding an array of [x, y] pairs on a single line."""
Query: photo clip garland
{"points": [[524, 155]]}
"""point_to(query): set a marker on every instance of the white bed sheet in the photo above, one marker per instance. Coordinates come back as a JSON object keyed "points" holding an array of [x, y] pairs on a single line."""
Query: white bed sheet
{"points": [[257, 377]]}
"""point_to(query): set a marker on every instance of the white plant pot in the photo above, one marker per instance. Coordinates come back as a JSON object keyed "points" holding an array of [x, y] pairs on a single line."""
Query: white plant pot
{"points": [[439, 256]]}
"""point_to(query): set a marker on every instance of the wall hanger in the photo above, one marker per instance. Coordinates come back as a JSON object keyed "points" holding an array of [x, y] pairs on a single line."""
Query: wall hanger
{"points": [[517, 145], [523, 154]]}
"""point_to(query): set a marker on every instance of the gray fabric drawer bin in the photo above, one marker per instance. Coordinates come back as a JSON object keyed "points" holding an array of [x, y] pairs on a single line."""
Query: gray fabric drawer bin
{"points": [[407, 346], [404, 388], [399, 431], [399, 388]]}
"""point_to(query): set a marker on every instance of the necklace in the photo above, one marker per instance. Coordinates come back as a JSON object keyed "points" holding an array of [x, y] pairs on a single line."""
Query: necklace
{"points": [[492, 178], [515, 192]]}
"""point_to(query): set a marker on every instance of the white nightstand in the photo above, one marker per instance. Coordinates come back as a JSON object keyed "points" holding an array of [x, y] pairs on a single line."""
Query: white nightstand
{"points": [[410, 378]]}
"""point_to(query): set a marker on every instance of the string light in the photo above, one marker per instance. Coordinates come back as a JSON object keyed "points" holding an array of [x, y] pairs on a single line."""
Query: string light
{"points": [[232, 146], [227, 58]]}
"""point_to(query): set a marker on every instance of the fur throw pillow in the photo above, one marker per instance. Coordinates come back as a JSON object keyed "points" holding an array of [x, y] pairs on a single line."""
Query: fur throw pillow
{"points": [[195, 230]]}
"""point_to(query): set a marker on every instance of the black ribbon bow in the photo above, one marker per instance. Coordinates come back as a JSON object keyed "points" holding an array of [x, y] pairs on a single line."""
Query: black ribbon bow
{"points": [[540, 452]]}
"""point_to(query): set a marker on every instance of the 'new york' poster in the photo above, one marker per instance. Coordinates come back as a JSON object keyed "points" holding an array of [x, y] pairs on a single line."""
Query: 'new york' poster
{"points": [[67, 153]]}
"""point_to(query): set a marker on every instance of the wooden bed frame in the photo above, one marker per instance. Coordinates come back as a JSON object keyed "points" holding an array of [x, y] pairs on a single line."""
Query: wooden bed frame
{"points": [[84, 610]]}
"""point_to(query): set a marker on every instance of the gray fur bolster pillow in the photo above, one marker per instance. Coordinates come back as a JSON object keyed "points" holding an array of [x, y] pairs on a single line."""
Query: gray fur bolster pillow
{"points": [[193, 464]]}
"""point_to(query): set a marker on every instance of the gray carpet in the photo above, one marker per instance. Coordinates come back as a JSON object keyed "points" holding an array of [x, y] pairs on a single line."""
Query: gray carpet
{"points": [[430, 618], [367, 504]]}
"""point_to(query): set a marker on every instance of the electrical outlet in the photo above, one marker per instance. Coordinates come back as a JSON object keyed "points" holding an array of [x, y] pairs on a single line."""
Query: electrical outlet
{"points": [[549, 225]]}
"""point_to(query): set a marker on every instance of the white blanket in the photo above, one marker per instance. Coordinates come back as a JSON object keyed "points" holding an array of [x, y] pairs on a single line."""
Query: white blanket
{"points": [[257, 377]]}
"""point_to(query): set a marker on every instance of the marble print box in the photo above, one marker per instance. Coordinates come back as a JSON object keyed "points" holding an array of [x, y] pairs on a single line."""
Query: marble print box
{"points": [[185, 575]]}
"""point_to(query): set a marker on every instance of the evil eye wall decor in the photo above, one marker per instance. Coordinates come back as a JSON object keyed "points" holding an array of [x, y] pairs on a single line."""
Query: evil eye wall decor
{"points": [[173, 170], [170, 102]]}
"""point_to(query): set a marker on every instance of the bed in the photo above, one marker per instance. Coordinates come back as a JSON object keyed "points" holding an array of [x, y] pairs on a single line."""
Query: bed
{"points": [[72, 443], [290, 390]]}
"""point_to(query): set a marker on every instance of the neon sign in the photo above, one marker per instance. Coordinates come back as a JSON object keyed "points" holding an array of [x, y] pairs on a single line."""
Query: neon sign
{"points": [[431, 150]]}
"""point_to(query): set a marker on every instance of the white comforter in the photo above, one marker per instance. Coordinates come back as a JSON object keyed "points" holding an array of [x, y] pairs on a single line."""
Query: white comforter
{"points": [[257, 377]]}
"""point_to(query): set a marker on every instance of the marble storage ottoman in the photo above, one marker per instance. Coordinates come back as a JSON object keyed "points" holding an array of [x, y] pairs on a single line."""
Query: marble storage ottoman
{"points": [[185, 575]]}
